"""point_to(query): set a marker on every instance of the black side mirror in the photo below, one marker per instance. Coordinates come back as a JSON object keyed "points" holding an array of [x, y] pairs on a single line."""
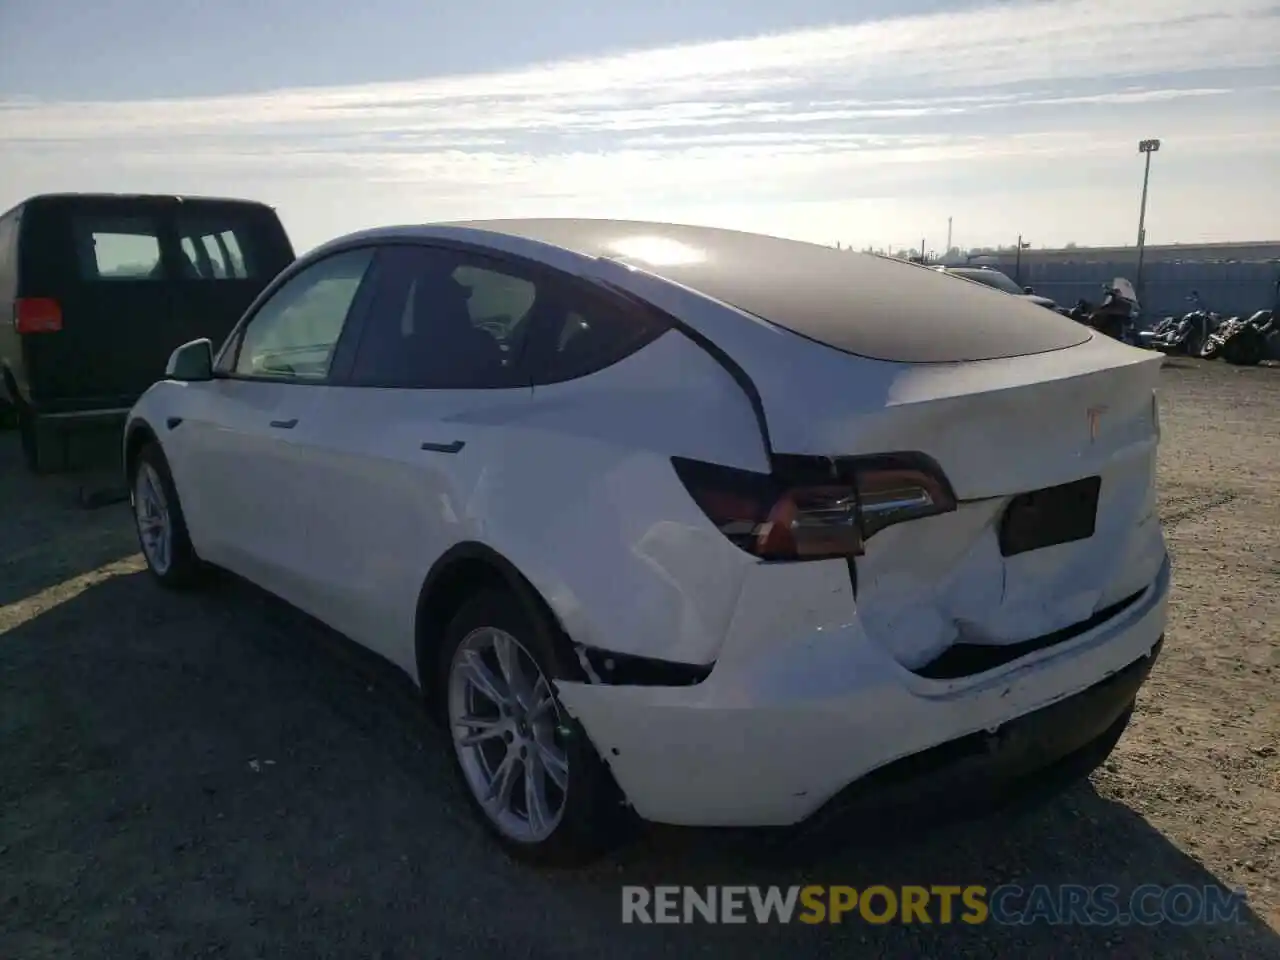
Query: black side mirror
{"points": [[192, 361], [1028, 290]]}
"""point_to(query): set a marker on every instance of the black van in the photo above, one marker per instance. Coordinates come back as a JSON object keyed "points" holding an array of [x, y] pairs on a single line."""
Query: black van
{"points": [[96, 290]]}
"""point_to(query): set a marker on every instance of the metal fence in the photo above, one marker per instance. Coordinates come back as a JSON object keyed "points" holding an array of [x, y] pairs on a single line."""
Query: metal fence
{"points": [[1228, 287]]}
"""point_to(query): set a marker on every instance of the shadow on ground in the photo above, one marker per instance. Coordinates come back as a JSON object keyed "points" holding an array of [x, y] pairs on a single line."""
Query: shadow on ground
{"points": [[215, 774], [39, 548]]}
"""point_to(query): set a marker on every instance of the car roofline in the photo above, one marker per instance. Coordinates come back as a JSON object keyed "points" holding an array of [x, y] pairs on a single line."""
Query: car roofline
{"points": [[494, 242], [178, 197]]}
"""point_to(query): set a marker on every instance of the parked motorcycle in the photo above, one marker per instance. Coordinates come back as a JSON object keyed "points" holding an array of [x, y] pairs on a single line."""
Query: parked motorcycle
{"points": [[1242, 341], [1185, 335], [1177, 336], [1114, 315]]}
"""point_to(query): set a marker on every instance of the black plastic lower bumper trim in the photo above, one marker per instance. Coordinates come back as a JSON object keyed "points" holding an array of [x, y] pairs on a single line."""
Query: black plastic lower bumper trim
{"points": [[629, 670], [1028, 758]]}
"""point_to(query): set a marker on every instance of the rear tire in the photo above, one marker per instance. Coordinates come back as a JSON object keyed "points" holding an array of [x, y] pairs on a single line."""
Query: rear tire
{"points": [[520, 729], [161, 526], [1248, 351]]}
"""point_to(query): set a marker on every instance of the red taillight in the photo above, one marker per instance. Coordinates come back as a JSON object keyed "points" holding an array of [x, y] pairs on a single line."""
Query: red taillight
{"points": [[814, 508], [37, 315]]}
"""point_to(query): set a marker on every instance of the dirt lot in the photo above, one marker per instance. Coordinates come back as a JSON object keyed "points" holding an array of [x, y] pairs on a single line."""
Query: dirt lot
{"points": [[217, 776]]}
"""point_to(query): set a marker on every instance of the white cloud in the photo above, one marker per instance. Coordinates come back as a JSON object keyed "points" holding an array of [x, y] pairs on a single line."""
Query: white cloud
{"points": [[997, 111]]}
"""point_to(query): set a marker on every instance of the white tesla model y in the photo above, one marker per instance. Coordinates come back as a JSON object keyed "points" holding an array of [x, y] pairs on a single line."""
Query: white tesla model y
{"points": [[716, 528]]}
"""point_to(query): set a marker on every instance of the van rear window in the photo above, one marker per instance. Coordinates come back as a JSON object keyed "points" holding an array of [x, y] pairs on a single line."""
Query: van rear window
{"points": [[217, 247], [118, 248]]}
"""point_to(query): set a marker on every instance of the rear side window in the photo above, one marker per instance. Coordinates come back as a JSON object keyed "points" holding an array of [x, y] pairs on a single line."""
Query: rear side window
{"points": [[218, 247], [445, 319], [497, 302], [587, 332], [118, 248], [441, 319]]}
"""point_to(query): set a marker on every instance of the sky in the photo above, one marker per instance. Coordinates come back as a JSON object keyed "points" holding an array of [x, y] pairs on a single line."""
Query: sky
{"points": [[864, 123]]}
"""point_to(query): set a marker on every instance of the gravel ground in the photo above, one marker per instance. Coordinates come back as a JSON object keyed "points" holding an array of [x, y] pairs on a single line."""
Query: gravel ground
{"points": [[218, 776]]}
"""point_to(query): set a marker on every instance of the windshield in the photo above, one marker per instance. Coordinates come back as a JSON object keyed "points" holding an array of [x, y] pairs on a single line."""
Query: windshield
{"points": [[990, 278]]}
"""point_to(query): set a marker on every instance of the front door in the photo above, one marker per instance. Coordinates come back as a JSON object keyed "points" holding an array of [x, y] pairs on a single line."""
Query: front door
{"points": [[255, 507]]}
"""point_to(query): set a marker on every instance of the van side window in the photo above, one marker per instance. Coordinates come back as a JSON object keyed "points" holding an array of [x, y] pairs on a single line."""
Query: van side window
{"points": [[216, 248], [118, 248]]}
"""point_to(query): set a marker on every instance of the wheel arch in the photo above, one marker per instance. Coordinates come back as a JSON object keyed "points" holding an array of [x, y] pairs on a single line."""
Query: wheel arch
{"points": [[457, 575], [137, 435]]}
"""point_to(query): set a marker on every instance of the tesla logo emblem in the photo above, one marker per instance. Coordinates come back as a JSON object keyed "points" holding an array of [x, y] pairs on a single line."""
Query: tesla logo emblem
{"points": [[1095, 422]]}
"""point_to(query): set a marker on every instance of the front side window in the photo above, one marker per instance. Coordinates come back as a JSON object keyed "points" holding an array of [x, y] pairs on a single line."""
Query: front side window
{"points": [[442, 319], [118, 248], [293, 335]]}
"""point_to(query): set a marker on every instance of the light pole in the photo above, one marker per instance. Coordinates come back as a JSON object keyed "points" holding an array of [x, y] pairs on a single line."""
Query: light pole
{"points": [[1148, 147], [1017, 260]]}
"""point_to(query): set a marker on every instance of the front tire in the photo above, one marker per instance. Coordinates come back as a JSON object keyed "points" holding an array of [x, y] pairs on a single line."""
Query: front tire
{"points": [[161, 526], [530, 773]]}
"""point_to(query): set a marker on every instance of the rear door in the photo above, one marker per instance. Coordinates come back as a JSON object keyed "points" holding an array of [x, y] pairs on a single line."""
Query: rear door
{"points": [[227, 253], [103, 260], [405, 451]]}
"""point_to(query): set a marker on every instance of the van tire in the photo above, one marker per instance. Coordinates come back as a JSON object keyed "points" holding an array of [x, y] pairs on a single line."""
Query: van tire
{"points": [[44, 449], [27, 433]]}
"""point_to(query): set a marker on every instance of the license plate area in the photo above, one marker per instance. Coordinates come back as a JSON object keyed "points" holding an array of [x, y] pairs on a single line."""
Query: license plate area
{"points": [[1048, 517]]}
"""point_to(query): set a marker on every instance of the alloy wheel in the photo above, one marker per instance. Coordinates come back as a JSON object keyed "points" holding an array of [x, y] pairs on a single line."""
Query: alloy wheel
{"points": [[151, 509], [507, 732]]}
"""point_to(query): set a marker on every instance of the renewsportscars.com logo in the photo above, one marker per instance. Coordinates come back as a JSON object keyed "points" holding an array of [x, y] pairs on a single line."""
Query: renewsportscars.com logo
{"points": [[1066, 904]]}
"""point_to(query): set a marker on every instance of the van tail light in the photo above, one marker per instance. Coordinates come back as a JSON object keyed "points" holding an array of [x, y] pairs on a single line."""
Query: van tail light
{"points": [[37, 315], [816, 508]]}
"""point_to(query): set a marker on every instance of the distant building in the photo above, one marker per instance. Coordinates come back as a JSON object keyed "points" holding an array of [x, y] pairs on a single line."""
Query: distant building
{"points": [[1186, 252]]}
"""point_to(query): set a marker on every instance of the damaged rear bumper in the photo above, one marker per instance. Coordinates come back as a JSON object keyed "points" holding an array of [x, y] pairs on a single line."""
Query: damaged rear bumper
{"points": [[828, 720], [1028, 758]]}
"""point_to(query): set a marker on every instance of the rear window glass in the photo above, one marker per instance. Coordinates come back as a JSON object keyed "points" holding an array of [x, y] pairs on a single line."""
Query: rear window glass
{"points": [[118, 248], [990, 278], [218, 247]]}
